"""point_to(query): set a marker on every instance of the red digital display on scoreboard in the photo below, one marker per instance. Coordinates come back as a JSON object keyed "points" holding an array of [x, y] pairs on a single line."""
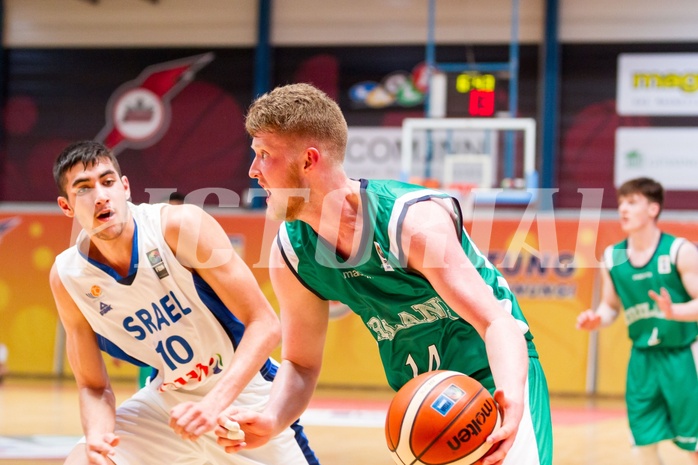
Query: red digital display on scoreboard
{"points": [[481, 102], [471, 94]]}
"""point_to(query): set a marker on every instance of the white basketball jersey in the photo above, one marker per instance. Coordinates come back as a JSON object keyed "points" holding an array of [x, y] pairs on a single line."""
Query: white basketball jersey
{"points": [[161, 315]]}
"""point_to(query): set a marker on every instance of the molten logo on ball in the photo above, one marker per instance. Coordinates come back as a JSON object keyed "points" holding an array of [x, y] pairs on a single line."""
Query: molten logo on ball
{"points": [[441, 417], [475, 426]]}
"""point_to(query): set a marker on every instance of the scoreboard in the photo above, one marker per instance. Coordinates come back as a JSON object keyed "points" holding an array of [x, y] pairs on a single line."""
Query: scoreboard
{"points": [[473, 94]]}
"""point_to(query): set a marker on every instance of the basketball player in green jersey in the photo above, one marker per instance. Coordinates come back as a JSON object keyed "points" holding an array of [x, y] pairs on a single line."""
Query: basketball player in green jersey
{"points": [[647, 275], [399, 257]]}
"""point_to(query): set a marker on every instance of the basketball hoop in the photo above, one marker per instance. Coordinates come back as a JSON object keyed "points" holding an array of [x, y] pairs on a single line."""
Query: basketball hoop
{"points": [[472, 151]]}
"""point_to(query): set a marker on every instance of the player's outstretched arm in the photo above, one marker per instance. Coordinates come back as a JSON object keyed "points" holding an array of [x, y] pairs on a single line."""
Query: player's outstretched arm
{"points": [[430, 238], [687, 265], [97, 402], [304, 320], [201, 244], [607, 310]]}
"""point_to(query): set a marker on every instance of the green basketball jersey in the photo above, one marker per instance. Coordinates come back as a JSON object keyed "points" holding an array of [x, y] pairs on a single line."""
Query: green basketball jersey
{"points": [[415, 329], [647, 326]]}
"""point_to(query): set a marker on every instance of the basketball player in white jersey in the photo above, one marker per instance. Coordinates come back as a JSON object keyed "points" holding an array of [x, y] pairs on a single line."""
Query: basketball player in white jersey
{"points": [[160, 285]]}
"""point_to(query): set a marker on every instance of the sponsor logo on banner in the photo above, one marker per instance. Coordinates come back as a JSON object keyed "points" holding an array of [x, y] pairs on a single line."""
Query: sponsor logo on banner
{"points": [[138, 112], [373, 152], [397, 89], [538, 275], [666, 154], [662, 84]]}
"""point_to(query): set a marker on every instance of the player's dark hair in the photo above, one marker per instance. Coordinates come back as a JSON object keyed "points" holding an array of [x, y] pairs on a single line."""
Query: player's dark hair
{"points": [[647, 187], [176, 198], [87, 152]]}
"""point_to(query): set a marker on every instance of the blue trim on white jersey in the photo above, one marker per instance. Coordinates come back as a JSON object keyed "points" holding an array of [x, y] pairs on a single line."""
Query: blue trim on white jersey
{"points": [[268, 370], [233, 327], [117, 352], [302, 441], [132, 268]]}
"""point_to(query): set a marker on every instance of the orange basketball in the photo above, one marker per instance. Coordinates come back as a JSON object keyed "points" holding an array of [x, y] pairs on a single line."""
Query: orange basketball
{"points": [[441, 417]]}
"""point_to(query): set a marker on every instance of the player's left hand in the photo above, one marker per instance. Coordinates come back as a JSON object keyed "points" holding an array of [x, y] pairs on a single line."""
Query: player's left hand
{"points": [[192, 419], [503, 437], [663, 300]]}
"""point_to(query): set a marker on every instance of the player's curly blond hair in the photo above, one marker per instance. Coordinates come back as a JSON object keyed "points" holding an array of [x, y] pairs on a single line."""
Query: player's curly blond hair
{"points": [[300, 110]]}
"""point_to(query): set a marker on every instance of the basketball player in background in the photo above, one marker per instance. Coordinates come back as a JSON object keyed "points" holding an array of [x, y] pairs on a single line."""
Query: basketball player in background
{"points": [[399, 257], [160, 284], [648, 274]]}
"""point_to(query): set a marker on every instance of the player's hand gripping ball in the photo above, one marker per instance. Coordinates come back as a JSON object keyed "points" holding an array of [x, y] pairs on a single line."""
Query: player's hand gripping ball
{"points": [[440, 417]]}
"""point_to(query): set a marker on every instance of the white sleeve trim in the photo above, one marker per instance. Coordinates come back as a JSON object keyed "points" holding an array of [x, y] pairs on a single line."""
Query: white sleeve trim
{"points": [[608, 257], [674, 250], [396, 213], [287, 248]]}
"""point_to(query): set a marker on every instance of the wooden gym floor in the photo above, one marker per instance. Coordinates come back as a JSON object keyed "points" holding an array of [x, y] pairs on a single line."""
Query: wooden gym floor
{"points": [[344, 427]]}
